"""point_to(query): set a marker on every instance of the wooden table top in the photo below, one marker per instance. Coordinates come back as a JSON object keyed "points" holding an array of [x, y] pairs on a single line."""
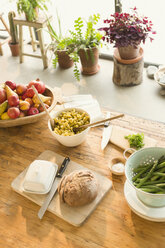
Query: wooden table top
{"points": [[112, 224]]}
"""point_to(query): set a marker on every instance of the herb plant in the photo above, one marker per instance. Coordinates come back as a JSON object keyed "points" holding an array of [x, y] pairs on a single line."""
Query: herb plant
{"points": [[135, 140], [125, 29], [88, 37], [85, 36], [29, 7]]}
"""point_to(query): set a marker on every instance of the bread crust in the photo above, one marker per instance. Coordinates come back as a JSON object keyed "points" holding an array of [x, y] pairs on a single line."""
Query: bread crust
{"points": [[78, 188]]}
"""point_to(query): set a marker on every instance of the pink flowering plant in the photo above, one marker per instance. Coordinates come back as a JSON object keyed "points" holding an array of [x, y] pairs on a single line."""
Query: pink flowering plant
{"points": [[125, 29]]}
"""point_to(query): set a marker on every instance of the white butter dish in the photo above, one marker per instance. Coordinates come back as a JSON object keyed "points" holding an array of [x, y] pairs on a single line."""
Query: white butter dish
{"points": [[39, 177]]}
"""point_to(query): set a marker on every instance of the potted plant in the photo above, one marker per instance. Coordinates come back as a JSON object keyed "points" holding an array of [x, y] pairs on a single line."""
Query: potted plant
{"points": [[126, 31], [86, 42], [13, 44], [30, 8], [62, 52], [63, 49]]}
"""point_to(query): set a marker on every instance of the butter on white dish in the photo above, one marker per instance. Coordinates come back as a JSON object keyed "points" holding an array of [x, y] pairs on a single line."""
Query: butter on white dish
{"points": [[39, 177]]}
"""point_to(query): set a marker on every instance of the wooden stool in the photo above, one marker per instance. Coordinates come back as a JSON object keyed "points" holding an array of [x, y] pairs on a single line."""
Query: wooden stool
{"points": [[5, 29], [42, 22], [128, 72]]}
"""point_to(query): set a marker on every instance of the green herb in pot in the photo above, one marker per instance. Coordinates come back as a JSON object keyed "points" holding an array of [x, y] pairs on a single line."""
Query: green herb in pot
{"points": [[135, 140]]}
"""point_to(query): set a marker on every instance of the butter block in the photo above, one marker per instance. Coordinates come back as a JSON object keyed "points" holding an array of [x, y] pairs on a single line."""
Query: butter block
{"points": [[39, 177]]}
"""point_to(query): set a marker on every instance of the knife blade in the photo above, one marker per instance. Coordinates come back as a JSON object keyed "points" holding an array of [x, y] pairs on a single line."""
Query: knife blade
{"points": [[106, 132], [53, 190]]}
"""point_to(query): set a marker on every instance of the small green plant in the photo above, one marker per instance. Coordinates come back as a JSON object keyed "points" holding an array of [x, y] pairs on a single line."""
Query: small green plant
{"points": [[63, 44], [29, 7], [85, 36], [89, 38], [13, 28]]}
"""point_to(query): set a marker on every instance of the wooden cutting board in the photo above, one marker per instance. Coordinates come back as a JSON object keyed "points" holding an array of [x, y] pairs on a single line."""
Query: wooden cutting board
{"points": [[75, 216], [118, 134]]}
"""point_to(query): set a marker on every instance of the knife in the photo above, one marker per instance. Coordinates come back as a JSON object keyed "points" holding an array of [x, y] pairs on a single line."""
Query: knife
{"points": [[53, 190], [106, 132]]}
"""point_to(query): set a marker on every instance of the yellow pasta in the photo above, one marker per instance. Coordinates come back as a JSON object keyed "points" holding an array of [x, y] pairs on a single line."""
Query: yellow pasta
{"points": [[67, 120]]}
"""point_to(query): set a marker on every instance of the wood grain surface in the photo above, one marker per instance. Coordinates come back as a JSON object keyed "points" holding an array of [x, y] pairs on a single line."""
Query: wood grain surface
{"points": [[111, 225]]}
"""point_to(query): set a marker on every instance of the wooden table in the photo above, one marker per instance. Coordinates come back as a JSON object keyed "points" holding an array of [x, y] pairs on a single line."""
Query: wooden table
{"points": [[111, 225]]}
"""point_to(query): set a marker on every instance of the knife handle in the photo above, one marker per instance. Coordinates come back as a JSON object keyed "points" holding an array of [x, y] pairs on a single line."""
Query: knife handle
{"points": [[108, 115], [63, 167]]}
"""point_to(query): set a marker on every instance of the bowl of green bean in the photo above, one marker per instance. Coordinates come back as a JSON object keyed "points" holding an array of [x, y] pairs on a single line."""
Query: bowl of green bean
{"points": [[65, 122], [145, 171]]}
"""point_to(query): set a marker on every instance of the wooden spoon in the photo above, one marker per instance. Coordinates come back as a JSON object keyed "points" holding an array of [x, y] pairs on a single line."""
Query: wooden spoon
{"points": [[98, 122], [43, 105]]}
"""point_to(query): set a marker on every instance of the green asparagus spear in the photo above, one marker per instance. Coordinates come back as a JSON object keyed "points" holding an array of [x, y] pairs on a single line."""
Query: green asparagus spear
{"points": [[155, 177], [154, 188], [160, 174], [151, 177], [154, 182], [141, 172], [140, 167], [161, 165], [148, 175], [161, 159]]}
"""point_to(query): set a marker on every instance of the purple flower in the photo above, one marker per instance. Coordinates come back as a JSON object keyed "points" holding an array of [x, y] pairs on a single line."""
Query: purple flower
{"points": [[125, 29]]}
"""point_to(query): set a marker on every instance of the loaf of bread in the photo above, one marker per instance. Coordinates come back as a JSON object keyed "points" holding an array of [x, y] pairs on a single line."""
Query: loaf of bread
{"points": [[78, 188]]}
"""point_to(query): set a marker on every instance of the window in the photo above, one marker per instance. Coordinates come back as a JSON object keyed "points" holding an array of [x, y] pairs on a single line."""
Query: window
{"points": [[153, 52], [69, 10]]}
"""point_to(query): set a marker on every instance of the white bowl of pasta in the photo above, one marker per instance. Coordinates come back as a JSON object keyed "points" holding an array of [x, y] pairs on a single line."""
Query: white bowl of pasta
{"points": [[64, 123]]}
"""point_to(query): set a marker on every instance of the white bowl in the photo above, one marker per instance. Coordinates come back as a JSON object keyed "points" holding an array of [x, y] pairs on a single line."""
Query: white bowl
{"points": [[69, 141], [158, 75]]}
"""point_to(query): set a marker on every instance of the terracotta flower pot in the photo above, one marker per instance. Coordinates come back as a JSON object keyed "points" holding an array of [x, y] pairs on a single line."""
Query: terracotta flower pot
{"points": [[128, 61], [64, 60], [14, 49], [129, 52], [89, 60]]}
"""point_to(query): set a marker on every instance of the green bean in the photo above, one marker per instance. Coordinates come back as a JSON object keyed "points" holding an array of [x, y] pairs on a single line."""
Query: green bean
{"points": [[161, 159], [160, 184], [137, 180], [153, 187], [151, 177], [148, 175], [157, 176], [154, 182], [141, 172], [149, 190], [160, 174], [161, 165], [140, 167]]}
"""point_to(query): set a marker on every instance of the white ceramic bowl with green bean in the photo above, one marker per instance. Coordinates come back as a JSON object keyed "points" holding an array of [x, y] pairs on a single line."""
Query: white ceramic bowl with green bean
{"points": [[145, 171], [65, 121]]}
